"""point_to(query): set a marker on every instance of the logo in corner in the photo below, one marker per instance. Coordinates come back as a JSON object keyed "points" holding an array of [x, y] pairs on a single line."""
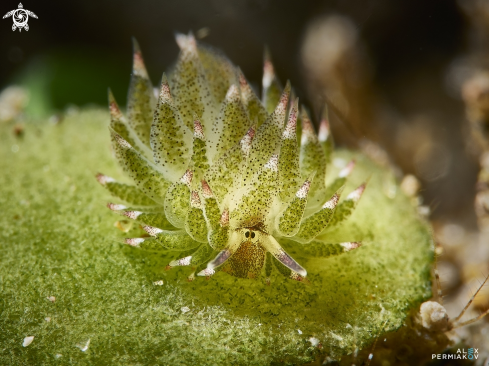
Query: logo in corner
{"points": [[20, 17], [461, 354]]}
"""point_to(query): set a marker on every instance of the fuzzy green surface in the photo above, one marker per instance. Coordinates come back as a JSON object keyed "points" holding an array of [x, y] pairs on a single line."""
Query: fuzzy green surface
{"points": [[58, 239]]}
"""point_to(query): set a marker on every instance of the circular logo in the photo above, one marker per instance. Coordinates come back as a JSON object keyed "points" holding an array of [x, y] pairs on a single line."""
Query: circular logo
{"points": [[20, 17]]}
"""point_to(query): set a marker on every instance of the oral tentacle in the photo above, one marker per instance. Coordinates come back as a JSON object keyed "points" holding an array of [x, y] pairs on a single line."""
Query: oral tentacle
{"points": [[232, 246], [274, 248]]}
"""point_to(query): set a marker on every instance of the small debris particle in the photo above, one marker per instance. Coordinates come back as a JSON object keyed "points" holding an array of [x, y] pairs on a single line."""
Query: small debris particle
{"points": [[185, 309], [339, 163], [299, 331], [58, 355], [84, 347], [123, 225], [51, 298], [48, 319], [158, 283], [314, 341], [27, 341], [410, 185], [203, 32], [424, 211], [370, 356]]}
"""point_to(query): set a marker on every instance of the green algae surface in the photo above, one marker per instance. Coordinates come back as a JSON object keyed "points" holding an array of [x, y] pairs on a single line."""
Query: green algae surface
{"points": [[57, 239]]}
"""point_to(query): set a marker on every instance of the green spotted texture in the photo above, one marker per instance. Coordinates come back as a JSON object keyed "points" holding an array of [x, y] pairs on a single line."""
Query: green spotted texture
{"points": [[177, 203], [155, 219], [195, 224], [126, 191], [289, 221], [58, 240], [170, 240]]}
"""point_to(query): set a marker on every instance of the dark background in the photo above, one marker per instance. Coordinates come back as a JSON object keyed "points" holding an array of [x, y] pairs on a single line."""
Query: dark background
{"points": [[76, 49]]}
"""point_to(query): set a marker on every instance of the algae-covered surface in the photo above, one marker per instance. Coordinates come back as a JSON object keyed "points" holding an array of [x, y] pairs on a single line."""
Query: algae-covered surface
{"points": [[58, 240]]}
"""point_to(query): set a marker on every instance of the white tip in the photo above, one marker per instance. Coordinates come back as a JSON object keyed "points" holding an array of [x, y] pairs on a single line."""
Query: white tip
{"points": [[308, 133], [345, 172], [114, 110], [268, 74], [151, 230], [224, 221], [206, 190], [27, 341], [333, 201], [138, 65], [350, 245], [122, 143], [134, 242], [357, 193], [198, 130], [272, 163], [186, 43], [291, 128], [284, 100], [206, 272], [181, 262], [304, 190], [187, 177], [132, 214], [165, 94], [195, 200], [324, 131], [247, 140], [116, 207], [103, 179], [232, 93]]}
